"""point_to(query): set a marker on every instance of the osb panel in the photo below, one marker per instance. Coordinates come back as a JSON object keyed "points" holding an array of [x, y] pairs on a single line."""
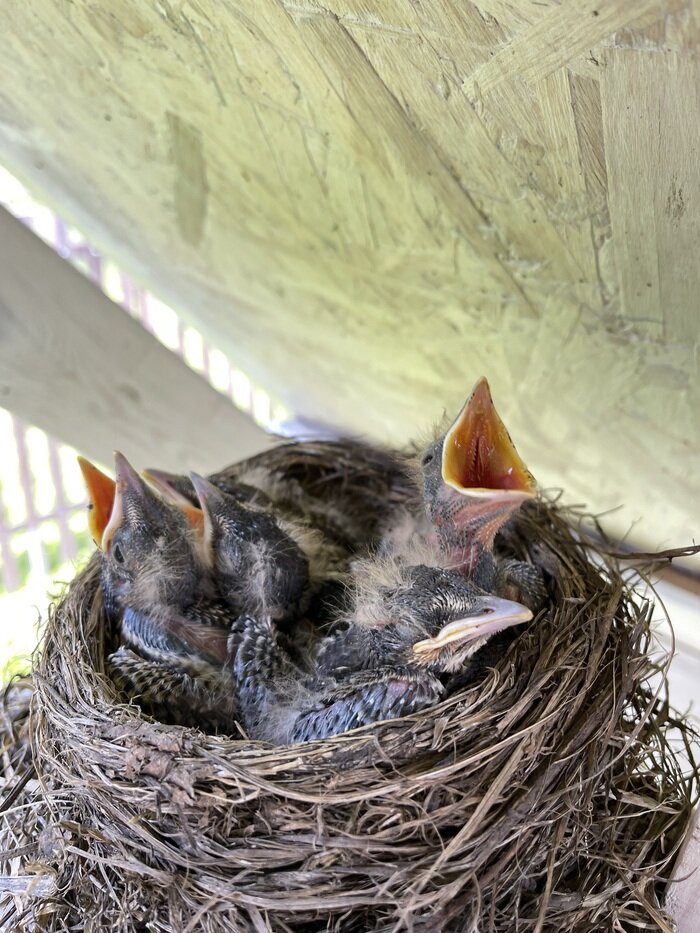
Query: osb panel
{"points": [[369, 204]]}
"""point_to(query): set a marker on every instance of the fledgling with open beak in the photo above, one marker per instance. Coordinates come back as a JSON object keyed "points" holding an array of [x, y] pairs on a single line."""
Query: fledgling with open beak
{"points": [[474, 481], [410, 624], [155, 588], [148, 546]]}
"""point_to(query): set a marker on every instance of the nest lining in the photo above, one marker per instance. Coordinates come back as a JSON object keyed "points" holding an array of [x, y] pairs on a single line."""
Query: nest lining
{"points": [[545, 796]]}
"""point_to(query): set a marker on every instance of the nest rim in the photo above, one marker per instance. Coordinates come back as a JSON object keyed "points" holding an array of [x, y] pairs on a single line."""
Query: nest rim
{"points": [[456, 813]]}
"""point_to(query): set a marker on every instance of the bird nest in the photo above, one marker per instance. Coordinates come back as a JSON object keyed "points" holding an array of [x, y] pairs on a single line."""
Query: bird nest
{"points": [[546, 795]]}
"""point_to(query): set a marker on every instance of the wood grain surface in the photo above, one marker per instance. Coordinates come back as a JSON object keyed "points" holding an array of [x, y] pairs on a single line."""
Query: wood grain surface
{"points": [[368, 205]]}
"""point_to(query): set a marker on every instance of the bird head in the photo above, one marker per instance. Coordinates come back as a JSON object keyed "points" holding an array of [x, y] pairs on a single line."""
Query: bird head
{"points": [[148, 548], [259, 567], [473, 477], [427, 616], [462, 637]]}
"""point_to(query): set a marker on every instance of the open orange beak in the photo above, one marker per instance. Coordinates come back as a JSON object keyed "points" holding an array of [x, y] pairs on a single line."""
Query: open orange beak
{"points": [[478, 457], [101, 492]]}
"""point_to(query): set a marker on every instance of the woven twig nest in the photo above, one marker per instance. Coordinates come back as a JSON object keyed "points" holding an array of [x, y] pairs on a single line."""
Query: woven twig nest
{"points": [[545, 796]]}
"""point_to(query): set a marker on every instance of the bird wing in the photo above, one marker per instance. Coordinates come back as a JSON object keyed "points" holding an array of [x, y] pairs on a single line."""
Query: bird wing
{"points": [[364, 698]]}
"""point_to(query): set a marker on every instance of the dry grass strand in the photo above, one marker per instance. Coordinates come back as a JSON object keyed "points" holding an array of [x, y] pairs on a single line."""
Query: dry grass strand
{"points": [[548, 795]]}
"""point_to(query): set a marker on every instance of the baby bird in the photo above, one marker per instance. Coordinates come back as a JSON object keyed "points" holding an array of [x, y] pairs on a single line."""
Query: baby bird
{"points": [[266, 563], [156, 591], [474, 480], [410, 624], [257, 560], [148, 546], [414, 616], [345, 488], [283, 703]]}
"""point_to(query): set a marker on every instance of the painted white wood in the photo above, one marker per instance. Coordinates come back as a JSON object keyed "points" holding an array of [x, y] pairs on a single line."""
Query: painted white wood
{"points": [[683, 898], [74, 364], [682, 604]]}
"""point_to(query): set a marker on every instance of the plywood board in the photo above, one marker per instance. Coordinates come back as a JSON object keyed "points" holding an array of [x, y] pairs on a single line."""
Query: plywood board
{"points": [[368, 205]]}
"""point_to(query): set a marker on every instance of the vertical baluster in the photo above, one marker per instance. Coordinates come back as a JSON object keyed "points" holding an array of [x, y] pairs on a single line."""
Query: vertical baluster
{"points": [[180, 339], [205, 361], [37, 559], [10, 570], [62, 509]]}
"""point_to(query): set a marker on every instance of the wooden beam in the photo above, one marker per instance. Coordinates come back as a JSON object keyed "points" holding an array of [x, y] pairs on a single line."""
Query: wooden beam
{"points": [[76, 365]]}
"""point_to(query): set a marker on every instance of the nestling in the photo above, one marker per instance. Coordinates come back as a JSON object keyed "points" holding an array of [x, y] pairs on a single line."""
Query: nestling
{"points": [[345, 488], [420, 616], [474, 481], [148, 546], [409, 624], [157, 593], [259, 566]]}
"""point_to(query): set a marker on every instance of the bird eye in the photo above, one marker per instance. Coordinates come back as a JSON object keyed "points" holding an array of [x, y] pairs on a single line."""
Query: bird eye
{"points": [[117, 554], [428, 458]]}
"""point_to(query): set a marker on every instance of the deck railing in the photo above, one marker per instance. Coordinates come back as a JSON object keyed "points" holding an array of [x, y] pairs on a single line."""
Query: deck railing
{"points": [[42, 514]]}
